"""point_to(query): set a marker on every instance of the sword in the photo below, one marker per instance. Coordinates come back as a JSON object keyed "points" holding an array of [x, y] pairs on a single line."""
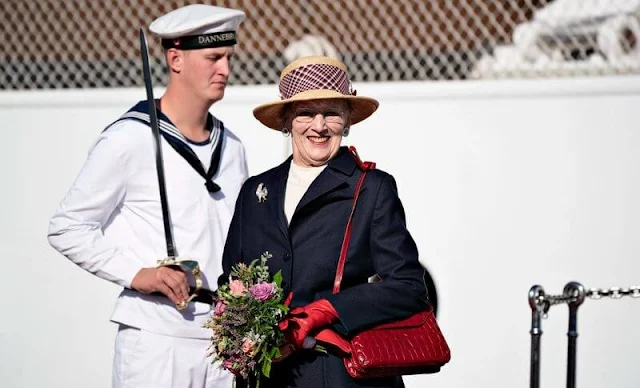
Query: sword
{"points": [[189, 266]]}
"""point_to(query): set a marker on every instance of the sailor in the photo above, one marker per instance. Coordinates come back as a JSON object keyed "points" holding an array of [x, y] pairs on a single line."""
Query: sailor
{"points": [[111, 223]]}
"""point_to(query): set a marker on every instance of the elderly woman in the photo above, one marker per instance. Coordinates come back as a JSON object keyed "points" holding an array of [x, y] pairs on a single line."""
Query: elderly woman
{"points": [[298, 212]]}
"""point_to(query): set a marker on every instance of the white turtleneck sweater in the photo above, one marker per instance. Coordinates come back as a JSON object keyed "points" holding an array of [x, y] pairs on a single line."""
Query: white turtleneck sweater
{"points": [[299, 180]]}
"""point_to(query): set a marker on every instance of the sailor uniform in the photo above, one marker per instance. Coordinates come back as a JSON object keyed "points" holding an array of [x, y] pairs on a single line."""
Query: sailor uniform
{"points": [[110, 222]]}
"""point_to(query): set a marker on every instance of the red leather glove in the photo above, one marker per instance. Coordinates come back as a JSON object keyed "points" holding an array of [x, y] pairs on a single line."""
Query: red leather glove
{"points": [[341, 346], [287, 301], [286, 349], [304, 320]]}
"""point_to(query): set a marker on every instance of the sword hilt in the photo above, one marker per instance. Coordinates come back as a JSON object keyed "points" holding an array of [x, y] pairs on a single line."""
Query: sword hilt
{"points": [[188, 266]]}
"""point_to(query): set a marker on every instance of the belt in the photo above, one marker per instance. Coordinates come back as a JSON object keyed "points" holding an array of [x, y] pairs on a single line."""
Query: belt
{"points": [[204, 296]]}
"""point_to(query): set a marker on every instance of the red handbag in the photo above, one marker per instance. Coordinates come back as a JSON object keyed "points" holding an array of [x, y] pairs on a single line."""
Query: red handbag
{"points": [[414, 345]]}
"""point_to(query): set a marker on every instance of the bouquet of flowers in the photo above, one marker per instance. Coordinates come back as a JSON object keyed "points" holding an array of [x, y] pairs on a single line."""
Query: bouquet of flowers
{"points": [[245, 320]]}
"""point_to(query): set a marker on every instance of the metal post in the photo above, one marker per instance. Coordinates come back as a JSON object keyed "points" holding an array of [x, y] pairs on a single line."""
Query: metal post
{"points": [[576, 291], [536, 332]]}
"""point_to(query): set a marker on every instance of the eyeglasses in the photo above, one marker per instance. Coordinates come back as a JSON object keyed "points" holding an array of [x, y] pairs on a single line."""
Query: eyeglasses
{"points": [[307, 116]]}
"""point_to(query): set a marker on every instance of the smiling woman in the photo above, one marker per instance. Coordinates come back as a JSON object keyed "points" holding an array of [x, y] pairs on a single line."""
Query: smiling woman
{"points": [[310, 199]]}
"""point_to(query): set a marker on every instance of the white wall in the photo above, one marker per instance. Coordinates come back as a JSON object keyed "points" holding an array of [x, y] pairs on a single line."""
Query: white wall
{"points": [[506, 184]]}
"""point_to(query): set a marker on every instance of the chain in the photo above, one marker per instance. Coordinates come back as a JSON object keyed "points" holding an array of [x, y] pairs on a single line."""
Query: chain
{"points": [[559, 299], [614, 292], [543, 302]]}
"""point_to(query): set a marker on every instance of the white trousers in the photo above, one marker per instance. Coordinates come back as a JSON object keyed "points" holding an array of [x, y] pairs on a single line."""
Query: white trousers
{"points": [[146, 360]]}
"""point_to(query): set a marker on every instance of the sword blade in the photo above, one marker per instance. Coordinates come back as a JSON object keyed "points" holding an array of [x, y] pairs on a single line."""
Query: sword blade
{"points": [[153, 116]]}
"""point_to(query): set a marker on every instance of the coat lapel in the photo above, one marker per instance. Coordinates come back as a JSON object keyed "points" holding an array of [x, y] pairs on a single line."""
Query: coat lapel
{"points": [[334, 177], [276, 202]]}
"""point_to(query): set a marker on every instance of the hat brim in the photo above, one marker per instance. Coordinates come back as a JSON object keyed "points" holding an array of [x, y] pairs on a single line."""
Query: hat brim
{"points": [[270, 114]]}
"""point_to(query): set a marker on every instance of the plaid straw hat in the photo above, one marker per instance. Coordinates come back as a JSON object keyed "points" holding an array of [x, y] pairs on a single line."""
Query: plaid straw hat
{"points": [[314, 78]]}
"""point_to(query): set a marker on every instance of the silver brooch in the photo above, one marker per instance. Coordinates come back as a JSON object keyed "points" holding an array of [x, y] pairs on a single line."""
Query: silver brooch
{"points": [[261, 193]]}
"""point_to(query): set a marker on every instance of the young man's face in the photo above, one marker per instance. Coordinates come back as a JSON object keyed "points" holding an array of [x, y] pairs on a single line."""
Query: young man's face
{"points": [[206, 71]]}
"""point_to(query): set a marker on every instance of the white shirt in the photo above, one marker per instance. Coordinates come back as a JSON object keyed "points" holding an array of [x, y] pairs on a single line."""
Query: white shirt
{"points": [[203, 152], [298, 182], [110, 221]]}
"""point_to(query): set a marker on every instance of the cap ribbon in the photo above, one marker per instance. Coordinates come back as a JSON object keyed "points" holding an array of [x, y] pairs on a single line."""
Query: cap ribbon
{"points": [[194, 42]]}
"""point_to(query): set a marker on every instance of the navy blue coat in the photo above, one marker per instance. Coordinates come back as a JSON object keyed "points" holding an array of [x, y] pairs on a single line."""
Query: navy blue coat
{"points": [[308, 249]]}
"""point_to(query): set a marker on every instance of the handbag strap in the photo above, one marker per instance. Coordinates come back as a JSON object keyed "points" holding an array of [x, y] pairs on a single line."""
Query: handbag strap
{"points": [[365, 167]]}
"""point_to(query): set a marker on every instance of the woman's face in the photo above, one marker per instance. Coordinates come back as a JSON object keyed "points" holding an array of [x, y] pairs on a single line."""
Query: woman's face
{"points": [[316, 130]]}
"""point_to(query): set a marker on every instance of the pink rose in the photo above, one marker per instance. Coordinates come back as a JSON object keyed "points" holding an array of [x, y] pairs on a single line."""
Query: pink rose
{"points": [[248, 347], [237, 288], [228, 365], [262, 291], [220, 306]]}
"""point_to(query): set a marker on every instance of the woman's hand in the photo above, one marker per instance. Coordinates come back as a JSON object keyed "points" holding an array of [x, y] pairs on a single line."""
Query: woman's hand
{"points": [[302, 322]]}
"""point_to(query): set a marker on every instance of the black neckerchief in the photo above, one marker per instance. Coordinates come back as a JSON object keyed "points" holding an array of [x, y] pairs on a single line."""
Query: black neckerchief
{"points": [[180, 144]]}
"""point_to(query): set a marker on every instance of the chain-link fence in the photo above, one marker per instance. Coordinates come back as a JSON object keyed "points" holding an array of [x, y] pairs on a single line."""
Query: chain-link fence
{"points": [[93, 43]]}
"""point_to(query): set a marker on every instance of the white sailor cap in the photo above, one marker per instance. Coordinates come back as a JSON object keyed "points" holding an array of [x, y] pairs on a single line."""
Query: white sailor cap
{"points": [[198, 26]]}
